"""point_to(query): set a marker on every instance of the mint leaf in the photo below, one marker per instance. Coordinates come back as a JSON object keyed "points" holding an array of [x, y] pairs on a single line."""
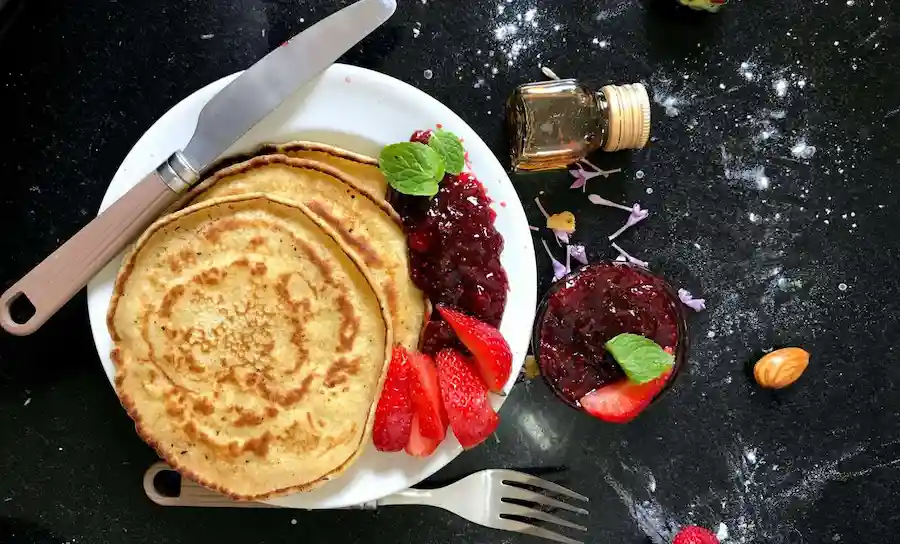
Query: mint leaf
{"points": [[412, 168], [642, 359], [450, 149]]}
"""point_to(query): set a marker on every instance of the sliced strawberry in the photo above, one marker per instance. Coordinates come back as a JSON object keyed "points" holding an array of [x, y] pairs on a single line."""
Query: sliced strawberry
{"points": [[419, 445], [471, 416], [393, 415], [426, 396], [492, 353], [622, 401]]}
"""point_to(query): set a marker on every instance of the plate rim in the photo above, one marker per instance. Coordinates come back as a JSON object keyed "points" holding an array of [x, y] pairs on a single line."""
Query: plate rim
{"points": [[527, 275]]}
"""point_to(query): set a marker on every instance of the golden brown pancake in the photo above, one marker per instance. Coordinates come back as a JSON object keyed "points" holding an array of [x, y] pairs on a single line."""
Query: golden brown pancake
{"points": [[250, 345], [364, 170], [367, 226]]}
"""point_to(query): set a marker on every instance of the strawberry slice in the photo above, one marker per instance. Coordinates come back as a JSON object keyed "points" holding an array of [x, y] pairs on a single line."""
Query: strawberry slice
{"points": [[622, 401], [471, 416], [492, 354], [419, 445], [426, 397], [393, 415]]}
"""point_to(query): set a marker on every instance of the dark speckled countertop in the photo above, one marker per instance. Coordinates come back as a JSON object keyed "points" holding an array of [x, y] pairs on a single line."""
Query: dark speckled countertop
{"points": [[770, 182]]}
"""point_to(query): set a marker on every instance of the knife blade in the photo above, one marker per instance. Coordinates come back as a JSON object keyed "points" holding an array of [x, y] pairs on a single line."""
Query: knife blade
{"points": [[224, 119]]}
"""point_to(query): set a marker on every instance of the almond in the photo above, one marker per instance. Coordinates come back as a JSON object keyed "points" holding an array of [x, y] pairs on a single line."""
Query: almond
{"points": [[781, 368]]}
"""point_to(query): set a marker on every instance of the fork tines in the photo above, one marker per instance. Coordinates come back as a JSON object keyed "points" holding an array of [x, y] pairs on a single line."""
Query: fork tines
{"points": [[516, 516]]}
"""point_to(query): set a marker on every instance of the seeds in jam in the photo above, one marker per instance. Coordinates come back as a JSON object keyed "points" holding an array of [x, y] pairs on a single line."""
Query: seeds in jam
{"points": [[598, 303], [454, 252]]}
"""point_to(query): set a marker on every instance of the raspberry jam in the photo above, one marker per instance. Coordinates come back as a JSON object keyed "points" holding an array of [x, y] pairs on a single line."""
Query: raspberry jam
{"points": [[454, 252], [585, 310]]}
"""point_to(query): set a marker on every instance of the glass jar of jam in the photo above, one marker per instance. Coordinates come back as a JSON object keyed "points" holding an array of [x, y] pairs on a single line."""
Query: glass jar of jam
{"points": [[552, 124], [584, 310]]}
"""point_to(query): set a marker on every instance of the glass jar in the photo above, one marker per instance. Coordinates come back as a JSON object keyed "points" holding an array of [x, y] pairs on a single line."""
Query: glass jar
{"points": [[553, 124]]}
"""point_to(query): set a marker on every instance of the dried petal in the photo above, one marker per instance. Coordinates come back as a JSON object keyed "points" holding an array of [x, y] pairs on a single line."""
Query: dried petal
{"points": [[578, 253], [563, 221], [559, 269], [600, 201], [637, 215], [696, 304], [561, 236], [633, 260]]}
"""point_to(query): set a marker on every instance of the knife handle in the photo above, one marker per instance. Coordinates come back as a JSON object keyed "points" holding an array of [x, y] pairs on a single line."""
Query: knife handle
{"points": [[189, 493], [60, 276]]}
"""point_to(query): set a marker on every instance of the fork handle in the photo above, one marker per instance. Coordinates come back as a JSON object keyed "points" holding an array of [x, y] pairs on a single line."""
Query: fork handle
{"points": [[418, 497]]}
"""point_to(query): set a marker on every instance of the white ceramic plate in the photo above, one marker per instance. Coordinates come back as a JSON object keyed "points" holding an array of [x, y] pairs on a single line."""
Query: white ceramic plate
{"points": [[363, 111]]}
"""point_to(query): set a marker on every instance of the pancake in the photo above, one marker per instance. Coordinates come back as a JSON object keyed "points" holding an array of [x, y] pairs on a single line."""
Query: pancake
{"points": [[250, 345], [364, 170], [369, 227]]}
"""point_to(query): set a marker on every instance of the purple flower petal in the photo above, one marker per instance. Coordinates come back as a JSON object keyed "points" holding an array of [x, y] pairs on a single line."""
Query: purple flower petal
{"points": [[629, 258], [696, 304], [600, 201], [561, 235], [559, 269], [578, 183], [637, 215], [578, 253]]}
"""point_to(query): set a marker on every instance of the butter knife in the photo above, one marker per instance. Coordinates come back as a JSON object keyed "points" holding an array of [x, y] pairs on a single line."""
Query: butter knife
{"points": [[228, 116]]}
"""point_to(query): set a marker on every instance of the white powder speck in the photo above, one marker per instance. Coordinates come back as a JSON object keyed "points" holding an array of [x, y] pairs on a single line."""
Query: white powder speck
{"points": [[639, 174], [753, 217], [711, 334], [781, 87], [750, 455], [427, 74], [670, 103], [722, 86], [503, 32], [801, 83], [748, 76], [294, 521], [842, 286], [649, 516], [530, 14], [649, 190], [651, 483], [415, 32], [27, 401], [802, 150], [207, 36], [722, 533], [836, 43]]}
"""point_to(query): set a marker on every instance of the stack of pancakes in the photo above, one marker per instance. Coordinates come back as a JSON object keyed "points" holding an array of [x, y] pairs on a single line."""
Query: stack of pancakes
{"points": [[253, 327]]}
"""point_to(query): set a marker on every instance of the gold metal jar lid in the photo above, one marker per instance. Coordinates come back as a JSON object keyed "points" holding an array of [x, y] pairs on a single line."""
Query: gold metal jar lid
{"points": [[629, 117]]}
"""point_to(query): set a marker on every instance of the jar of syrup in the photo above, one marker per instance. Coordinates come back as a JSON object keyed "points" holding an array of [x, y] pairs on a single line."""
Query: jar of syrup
{"points": [[553, 124]]}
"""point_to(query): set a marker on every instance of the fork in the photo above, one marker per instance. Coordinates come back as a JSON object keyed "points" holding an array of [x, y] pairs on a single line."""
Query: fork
{"points": [[483, 498]]}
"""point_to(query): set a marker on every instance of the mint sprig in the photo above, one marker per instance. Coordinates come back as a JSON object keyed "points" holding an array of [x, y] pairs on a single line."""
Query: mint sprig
{"points": [[450, 149], [412, 168], [642, 359]]}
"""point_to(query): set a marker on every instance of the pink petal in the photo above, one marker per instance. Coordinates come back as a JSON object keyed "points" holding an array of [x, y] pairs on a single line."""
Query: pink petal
{"points": [[578, 253], [696, 304]]}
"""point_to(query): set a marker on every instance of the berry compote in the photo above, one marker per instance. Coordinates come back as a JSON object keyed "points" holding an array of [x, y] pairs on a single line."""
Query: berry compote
{"points": [[586, 309], [454, 252]]}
